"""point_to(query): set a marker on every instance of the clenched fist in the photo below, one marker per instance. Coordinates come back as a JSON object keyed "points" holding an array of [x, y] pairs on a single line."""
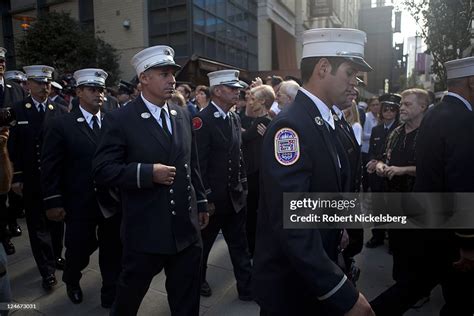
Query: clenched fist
{"points": [[163, 174]]}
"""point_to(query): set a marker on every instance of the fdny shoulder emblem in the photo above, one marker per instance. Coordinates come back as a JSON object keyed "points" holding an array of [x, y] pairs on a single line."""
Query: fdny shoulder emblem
{"points": [[287, 147], [197, 123]]}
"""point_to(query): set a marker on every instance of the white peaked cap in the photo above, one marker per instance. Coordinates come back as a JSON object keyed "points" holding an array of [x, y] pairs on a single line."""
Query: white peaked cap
{"points": [[155, 56], [459, 68], [336, 42], [228, 77]]}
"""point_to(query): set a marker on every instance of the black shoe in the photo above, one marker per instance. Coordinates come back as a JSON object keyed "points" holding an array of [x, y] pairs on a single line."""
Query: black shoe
{"points": [[60, 262], [205, 289], [374, 243], [15, 230], [9, 247], [75, 293], [49, 282]]}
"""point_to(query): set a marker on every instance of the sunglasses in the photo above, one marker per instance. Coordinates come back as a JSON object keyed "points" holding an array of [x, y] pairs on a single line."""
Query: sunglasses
{"points": [[390, 108]]}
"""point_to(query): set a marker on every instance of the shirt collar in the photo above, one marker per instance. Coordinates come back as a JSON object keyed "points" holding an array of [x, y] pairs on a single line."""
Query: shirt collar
{"points": [[221, 112], [38, 103], [2, 81], [88, 116], [468, 105], [323, 109], [389, 125], [338, 112], [155, 110]]}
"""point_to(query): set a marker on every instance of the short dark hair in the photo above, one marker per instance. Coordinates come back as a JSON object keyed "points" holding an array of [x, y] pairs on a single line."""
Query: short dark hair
{"points": [[186, 87], [307, 66]]}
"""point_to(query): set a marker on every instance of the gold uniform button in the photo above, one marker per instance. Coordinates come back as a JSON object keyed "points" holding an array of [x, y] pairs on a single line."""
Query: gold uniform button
{"points": [[171, 191], [173, 212], [172, 202], [185, 165]]}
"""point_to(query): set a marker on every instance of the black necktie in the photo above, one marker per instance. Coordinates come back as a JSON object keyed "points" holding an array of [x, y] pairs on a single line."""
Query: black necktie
{"points": [[164, 125], [95, 126], [41, 111]]}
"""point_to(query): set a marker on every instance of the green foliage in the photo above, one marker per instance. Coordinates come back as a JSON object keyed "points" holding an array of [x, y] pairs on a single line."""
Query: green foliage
{"points": [[58, 40], [446, 29]]}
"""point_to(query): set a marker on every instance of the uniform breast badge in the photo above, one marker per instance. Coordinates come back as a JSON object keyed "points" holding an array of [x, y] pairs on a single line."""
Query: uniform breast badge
{"points": [[287, 147]]}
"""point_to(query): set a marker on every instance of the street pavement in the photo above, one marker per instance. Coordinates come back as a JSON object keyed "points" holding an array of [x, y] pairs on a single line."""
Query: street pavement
{"points": [[25, 281]]}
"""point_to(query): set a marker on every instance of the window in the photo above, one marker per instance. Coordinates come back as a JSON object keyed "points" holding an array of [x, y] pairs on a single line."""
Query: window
{"points": [[198, 20], [210, 48]]}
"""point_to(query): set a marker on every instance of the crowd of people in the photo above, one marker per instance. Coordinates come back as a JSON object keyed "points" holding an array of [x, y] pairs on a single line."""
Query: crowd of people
{"points": [[149, 173]]}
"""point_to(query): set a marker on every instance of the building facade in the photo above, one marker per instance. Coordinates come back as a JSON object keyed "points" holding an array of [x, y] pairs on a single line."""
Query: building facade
{"points": [[219, 30]]}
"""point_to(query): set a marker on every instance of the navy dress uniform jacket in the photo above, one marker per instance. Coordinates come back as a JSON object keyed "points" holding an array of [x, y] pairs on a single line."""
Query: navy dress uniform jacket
{"points": [[351, 146], [445, 154], [156, 218], [66, 167], [26, 141], [12, 93], [294, 269], [221, 160]]}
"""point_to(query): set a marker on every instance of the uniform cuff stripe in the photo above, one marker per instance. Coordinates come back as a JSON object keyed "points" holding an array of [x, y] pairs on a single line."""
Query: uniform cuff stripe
{"points": [[465, 235], [334, 290], [52, 197], [202, 201], [138, 175]]}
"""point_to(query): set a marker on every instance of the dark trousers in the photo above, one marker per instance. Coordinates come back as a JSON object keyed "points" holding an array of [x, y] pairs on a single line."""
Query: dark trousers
{"points": [[420, 265], [182, 280], [8, 214], [46, 237], [365, 174], [82, 238], [233, 229], [252, 207]]}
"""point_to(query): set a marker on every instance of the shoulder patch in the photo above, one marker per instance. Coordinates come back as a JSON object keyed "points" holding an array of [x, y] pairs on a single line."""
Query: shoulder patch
{"points": [[287, 147], [197, 123]]}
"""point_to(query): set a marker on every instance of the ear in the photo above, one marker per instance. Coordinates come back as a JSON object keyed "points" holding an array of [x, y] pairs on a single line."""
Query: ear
{"points": [[322, 68], [143, 78]]}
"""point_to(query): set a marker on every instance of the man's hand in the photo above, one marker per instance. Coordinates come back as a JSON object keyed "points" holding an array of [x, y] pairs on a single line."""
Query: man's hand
{"points": [[380, 169], [371, 166], [17, 187], [361, 308], [466, 262], [261, 129], [203, 219], [211, 208], [344, 240], [56, 214], [163, 174], [4, 133], [392, 171], [256, 82]]}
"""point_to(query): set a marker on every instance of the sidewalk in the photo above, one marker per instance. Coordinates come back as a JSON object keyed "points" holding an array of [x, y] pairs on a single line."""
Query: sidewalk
{"points": [[26, 286]]}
